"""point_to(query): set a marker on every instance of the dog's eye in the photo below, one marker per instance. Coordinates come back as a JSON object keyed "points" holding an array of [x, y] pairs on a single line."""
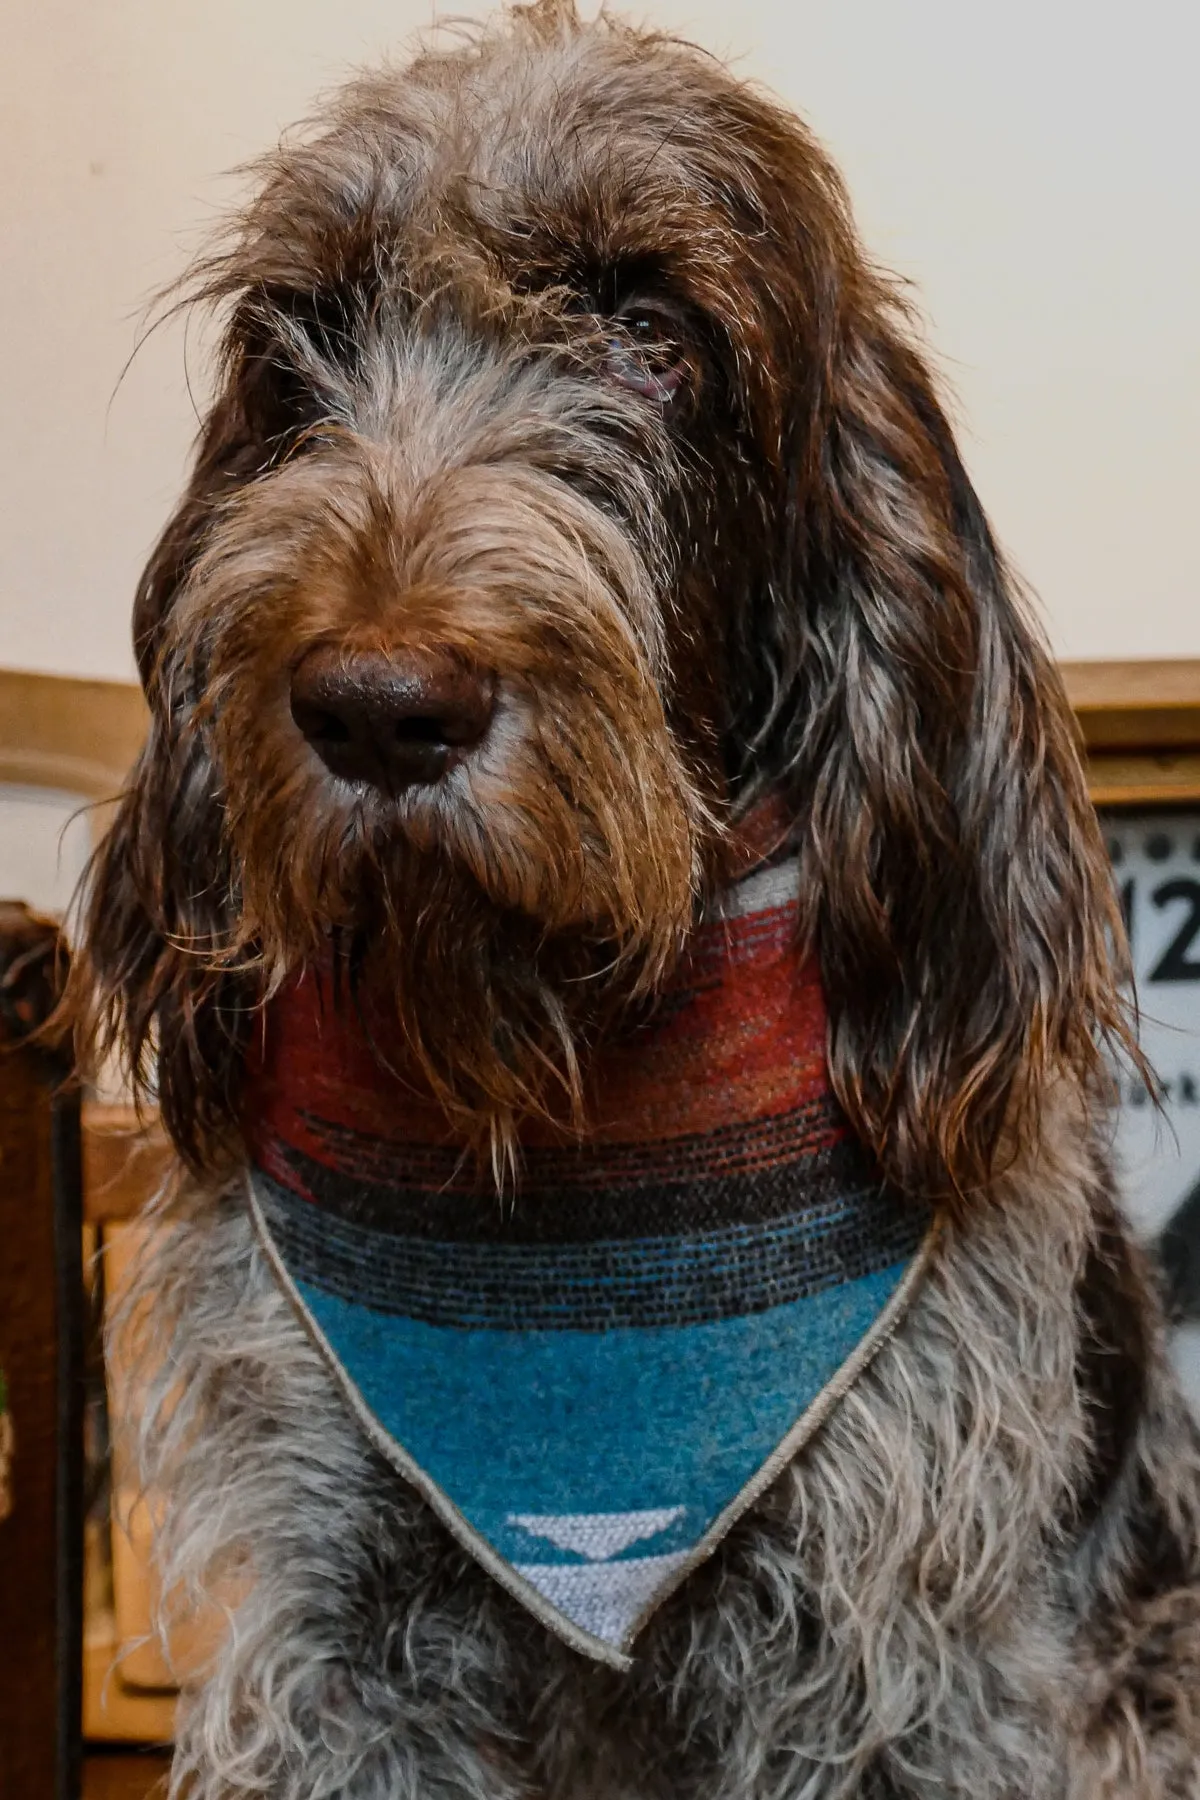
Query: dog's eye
{"points": [[289, 340], [646, 356], [327, 319]]}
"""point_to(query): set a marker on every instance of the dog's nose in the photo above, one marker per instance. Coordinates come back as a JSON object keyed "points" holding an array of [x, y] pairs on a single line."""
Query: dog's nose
{"points": [[394, 721]]}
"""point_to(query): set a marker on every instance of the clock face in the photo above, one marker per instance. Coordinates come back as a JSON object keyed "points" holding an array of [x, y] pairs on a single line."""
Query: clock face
{"points": [[1156, 862]]}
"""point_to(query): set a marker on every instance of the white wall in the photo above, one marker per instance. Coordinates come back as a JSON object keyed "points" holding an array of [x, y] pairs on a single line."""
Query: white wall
{"points": [[1032, 165]]}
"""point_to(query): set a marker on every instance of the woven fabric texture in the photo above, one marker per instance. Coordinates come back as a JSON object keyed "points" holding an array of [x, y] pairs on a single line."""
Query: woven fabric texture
{"points": [[589, 1379]]}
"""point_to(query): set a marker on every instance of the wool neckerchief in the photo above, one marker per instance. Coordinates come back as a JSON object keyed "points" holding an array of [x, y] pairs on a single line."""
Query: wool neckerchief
{"points": [[591, 1381]]}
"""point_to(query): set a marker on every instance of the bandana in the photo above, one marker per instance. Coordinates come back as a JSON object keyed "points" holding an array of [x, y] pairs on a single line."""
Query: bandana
{"points": [[591, 1380]]}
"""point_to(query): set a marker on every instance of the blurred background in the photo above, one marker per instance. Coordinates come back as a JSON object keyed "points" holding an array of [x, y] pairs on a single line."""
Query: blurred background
{"points": [[1032, 167]]}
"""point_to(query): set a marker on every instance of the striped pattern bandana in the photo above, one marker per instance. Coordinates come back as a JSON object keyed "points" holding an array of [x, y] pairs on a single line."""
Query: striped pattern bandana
{"points": [[591, 1381]]}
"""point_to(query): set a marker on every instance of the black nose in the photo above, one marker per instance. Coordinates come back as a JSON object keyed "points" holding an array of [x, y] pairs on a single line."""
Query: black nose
{"points": [[390, 720]]}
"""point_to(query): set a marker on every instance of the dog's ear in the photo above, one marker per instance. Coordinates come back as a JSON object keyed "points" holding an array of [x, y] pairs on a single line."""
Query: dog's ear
{"points": [[155, 984], [261, 405], [159, 979], [224, 457], [961, 899]]}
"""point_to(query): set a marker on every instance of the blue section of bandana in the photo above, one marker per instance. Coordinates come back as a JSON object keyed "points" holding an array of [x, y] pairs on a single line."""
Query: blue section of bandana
{"points": [[587, 1455], [581, 1422]]}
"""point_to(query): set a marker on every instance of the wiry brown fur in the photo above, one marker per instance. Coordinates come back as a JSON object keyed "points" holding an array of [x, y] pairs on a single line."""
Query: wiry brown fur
{"points": [[774, 579]]}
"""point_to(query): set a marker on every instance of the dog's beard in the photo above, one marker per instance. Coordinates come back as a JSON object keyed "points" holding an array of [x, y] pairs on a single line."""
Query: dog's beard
{"points": [[513, 909]]}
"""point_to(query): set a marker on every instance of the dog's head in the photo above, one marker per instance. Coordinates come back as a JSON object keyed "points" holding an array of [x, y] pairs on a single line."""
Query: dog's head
{"points": [[571, 484]]}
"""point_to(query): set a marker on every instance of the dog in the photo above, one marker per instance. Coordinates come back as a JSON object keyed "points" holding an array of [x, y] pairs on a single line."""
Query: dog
{"points": [[574, 498]]}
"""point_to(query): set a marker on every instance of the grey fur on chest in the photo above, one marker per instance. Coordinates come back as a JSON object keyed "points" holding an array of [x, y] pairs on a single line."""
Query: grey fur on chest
{"points": [[906, 1592]]}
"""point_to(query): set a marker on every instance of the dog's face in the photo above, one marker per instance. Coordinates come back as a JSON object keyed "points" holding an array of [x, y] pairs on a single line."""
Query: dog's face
{"points": [[571, 484], [460, 617]]}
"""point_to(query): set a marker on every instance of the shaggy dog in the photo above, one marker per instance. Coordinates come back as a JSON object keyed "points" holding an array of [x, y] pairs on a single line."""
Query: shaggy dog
{"points": [[572, 487]]}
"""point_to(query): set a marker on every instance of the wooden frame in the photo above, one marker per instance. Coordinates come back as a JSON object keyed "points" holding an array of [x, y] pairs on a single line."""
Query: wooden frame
{"points": [[58, 732], [42, 1356], [1140, 723], [125, 1158]]}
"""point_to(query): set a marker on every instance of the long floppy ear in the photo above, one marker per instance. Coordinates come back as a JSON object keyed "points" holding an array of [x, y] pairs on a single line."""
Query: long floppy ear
{"points": [[152, 983], [962, 903], [261, 406], [159, 978]]}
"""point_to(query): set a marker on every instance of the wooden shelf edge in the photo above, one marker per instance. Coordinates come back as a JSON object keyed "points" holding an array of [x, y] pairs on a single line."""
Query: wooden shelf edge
{"points": [[1148, 705], [113, 1712], [62, 731], [1159, 778], [126, 1158]]}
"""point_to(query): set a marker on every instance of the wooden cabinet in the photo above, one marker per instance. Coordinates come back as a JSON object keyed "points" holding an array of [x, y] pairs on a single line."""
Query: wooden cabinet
{"points": [[41, 1532]]}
